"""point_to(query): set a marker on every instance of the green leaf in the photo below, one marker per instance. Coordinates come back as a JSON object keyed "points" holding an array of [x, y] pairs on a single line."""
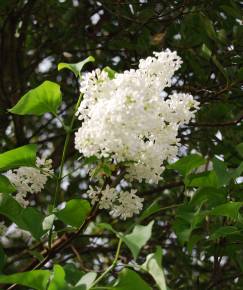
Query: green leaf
{"points": [[48, 222], [182, 229], [4, 3], [28, 219], [209, 27], [58, 281], [224, 232], [9, 207], [45, 98], [204, 179], [239, 148], [21, 156], [74, 213], [187, 164], [213, 196], [230, 210], [32, 220], [193, 240], [90, 160], [75, 67], [153, 266], [86, 281], [187, 220], [108, 227], [221, 171], [239, 77], [5, 185], [36, 279], [235, 13], [73, 274], [207, 53], [222, 36], [151, 209], [191, 29], [130, 280], [138, 238], [237, 172], [106, 169], [220, 67], [111, 72]]}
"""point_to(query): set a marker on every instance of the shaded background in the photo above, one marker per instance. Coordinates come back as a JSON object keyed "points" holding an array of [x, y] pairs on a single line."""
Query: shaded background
{"points": [[36, 35]]}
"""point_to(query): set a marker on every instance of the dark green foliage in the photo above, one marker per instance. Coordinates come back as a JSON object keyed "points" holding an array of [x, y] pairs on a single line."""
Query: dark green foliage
{"points": [[196, 209]]}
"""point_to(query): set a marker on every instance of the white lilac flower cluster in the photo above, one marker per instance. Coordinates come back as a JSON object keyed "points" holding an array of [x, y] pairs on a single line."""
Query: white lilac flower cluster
{"points": [[29, 179], [125, 118], [121, 204]]}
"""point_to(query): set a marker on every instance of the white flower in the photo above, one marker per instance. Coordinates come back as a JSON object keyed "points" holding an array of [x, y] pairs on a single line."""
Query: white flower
{"points": [[45, 165], [93, 195], [108, 197], [129, 204], [126, 119], [29, 179], [105, 197], [20, 197], [121, 204]]}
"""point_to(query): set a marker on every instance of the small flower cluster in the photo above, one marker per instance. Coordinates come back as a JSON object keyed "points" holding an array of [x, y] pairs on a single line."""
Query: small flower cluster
{"points": [[121, 204], [29, 179]]}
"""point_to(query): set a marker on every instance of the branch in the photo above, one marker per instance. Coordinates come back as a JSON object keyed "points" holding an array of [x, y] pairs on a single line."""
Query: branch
{"points": [[225, 124]]}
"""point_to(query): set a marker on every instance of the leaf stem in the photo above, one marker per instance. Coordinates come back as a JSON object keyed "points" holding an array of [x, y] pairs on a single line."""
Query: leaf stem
{"points": [[65, 147], [111, 266], [64, 153]]}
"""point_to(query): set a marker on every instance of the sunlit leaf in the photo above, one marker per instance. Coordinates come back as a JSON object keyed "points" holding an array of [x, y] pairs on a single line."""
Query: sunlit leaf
{"points": [[76, 68], [138, 238], [36, 279], [111, 73], [86, 281], [130, 280], [211, 195], [204, 179], [58, 281], [5, 185], [187, 164], [151, 209], [21, 156], [28, 219], [207, 53], [75, 212], [230, 210], [45, 98], [153, 265]]}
